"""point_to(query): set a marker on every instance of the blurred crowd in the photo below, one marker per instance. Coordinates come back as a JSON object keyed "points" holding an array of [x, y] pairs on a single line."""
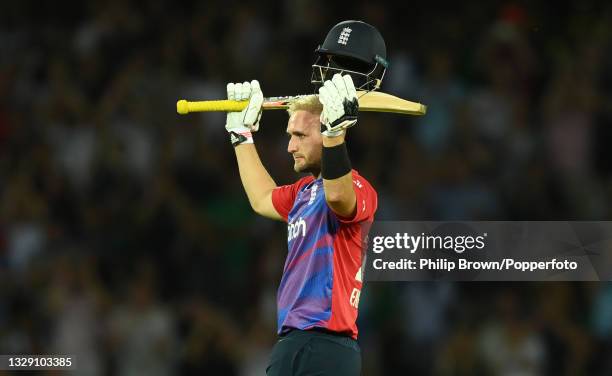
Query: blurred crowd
{"points": [[126, 238]]}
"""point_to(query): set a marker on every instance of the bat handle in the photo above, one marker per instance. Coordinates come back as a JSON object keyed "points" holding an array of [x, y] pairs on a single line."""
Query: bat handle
{"points": [[184, 107]]}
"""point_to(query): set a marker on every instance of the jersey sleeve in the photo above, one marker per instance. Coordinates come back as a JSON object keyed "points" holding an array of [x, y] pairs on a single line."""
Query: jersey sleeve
{"points": [[367, 201], [284, 196]]}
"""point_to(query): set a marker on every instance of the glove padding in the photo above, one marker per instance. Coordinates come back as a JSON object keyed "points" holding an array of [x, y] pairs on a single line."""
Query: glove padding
{"points": [[247, 119], [340, 105]]}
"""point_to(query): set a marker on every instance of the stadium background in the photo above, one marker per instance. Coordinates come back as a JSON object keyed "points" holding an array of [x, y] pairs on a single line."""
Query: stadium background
{"points": [[126, 238]]}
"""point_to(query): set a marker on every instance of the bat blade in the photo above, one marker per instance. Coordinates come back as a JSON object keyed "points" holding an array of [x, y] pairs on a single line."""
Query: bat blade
{"points": [[372, 101], [376, 101]]}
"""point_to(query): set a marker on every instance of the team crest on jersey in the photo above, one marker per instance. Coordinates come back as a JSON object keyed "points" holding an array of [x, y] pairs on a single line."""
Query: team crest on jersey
{"points": [[313, 194]]}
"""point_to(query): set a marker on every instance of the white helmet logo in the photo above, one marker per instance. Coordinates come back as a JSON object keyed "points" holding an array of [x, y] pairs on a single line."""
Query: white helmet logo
{"points": [[344, 35]]}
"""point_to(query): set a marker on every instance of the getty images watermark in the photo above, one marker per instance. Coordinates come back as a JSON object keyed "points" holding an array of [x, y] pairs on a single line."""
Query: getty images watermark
{"points": [[489, 251], [457, 244]]}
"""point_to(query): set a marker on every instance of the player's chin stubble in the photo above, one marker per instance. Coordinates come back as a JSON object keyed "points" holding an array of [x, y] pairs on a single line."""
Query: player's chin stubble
{"points": [[305, 167], [299, 164], [299, 168]]}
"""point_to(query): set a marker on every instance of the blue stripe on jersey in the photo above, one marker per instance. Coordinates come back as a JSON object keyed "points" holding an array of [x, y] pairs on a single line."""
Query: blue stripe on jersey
{"points": [[310, 304], [321, 264], [282, 315], [305, 292], [315, 286]]}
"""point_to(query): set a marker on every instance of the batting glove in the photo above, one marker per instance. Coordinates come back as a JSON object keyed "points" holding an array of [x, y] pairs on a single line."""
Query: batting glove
{"points": [[240, 125], [340, 105]]}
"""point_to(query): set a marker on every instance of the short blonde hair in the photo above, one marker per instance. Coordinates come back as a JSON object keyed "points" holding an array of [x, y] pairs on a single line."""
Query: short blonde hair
{"points": [[309, 103]]}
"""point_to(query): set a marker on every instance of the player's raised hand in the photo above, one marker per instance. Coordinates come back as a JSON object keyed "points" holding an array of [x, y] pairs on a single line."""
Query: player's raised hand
{"points": [[340, 105], [241, 124]]}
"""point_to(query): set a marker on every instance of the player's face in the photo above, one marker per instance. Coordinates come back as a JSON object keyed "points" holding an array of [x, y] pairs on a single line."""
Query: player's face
{"points": [[305, 142]]}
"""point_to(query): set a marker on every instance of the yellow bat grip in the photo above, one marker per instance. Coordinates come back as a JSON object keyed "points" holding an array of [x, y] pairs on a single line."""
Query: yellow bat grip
{"points": [[184, 107]]}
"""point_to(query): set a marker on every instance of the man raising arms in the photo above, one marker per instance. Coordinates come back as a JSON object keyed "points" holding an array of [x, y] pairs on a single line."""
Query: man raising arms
{"points": [[329, 214]]}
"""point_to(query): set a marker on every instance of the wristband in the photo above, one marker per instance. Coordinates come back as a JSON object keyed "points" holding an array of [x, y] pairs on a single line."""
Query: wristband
{"points": [[335, 162], [244, 137]]}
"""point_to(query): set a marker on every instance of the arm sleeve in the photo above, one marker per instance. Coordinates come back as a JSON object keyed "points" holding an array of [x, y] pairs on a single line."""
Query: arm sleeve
{"points": [[367, 201], [284, 196], [282, 199]]}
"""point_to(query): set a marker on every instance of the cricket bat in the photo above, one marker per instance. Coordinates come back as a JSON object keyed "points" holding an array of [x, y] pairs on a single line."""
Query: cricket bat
{"points": [[373, 101]]}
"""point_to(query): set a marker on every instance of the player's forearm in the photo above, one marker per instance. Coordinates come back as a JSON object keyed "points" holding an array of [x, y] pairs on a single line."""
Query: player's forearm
{"points": [[339, 190], [257, 182]]}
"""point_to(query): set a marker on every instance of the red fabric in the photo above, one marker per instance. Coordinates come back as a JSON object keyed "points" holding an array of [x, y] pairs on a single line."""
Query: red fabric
{"points": [[284, 196], [349, 249], [367, 200]]}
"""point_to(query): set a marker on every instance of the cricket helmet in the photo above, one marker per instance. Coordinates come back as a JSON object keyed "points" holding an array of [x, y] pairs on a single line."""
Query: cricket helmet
{"points": [[355, 48]]}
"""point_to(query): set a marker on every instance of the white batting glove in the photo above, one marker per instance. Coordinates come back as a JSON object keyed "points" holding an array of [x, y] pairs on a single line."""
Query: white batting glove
{"points": [[340, 105], [240, 125]]}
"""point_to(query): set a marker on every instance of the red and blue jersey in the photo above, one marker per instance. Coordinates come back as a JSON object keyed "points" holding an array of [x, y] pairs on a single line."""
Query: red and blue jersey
{"points": [[322, 277]]}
